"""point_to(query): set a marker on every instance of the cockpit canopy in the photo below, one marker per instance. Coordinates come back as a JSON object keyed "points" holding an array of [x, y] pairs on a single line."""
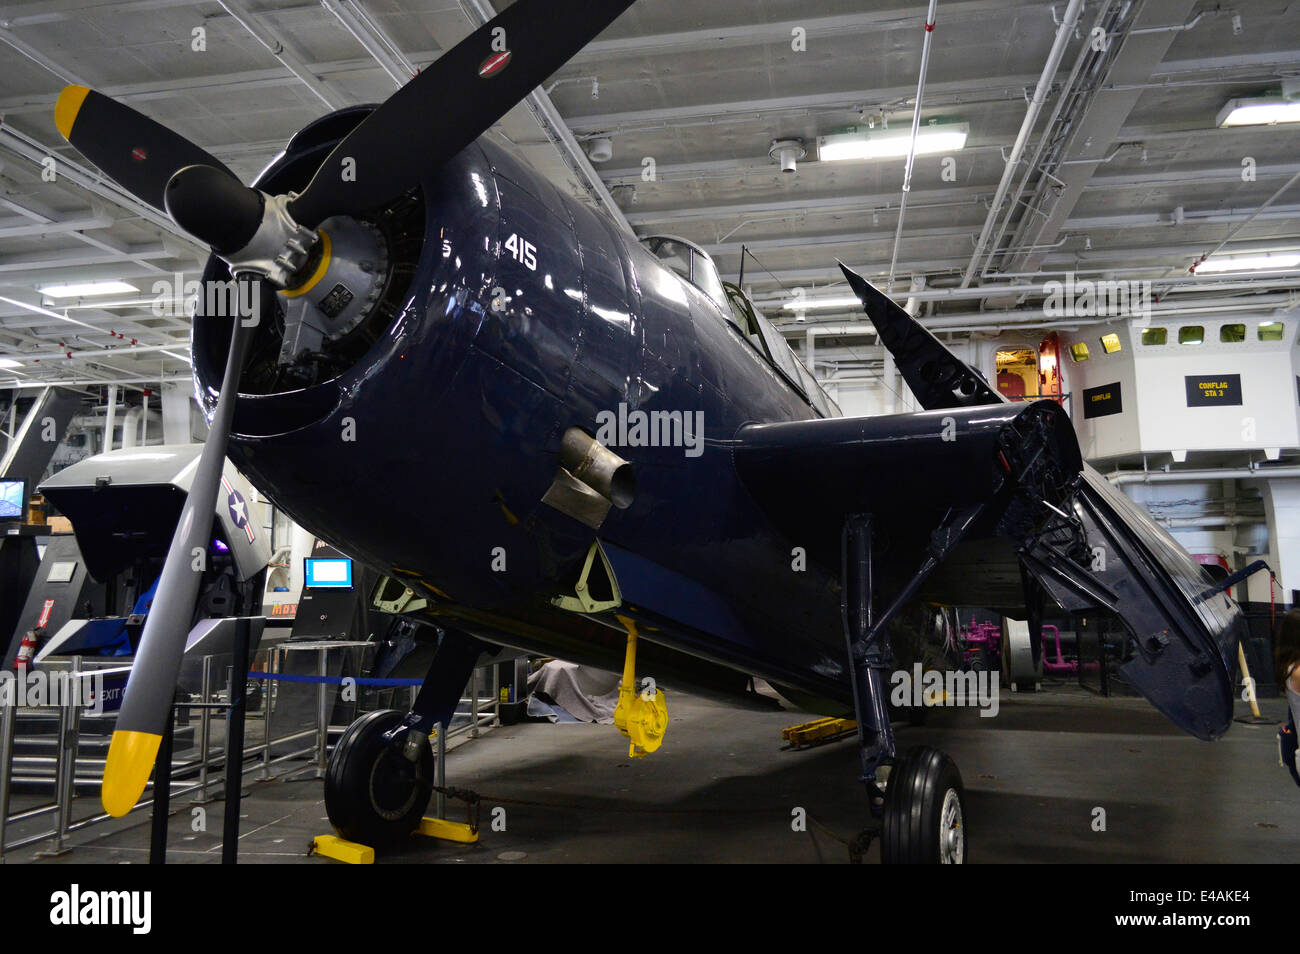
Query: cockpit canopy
{"points": [[689, 261], [694, 264]]}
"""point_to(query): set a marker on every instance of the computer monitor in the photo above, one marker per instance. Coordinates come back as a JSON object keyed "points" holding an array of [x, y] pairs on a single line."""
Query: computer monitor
{"points": [[327, 572], [12, 499]]}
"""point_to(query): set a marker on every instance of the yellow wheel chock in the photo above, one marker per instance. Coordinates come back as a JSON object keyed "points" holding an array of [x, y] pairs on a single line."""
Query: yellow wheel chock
{"points": [[340, 849], [445, 830], [643, 716], [819, 730]]}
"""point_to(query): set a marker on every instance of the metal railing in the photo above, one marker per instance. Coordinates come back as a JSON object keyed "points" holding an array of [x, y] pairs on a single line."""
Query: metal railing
{"points": [[191, 775]]}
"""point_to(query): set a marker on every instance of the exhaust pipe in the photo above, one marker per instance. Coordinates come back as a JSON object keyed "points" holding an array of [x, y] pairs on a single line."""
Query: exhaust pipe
{"points": [[595, 465]]}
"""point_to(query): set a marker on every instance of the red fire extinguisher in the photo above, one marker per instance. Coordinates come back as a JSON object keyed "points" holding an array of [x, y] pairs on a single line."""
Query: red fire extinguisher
{"points": [[26, 651]]}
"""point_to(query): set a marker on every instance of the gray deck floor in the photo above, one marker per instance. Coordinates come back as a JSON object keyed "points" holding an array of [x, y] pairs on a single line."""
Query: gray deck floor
{"points": [[722, 789]]}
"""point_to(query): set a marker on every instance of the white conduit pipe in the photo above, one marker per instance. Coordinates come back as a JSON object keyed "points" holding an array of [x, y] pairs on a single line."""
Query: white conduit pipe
{"points": [[1063, 34], [1208, 523], [1195, 476], [911, 147]]}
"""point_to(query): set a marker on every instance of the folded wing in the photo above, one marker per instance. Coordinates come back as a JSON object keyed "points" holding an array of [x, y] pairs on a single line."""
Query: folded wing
{"points": [[979, 501]]}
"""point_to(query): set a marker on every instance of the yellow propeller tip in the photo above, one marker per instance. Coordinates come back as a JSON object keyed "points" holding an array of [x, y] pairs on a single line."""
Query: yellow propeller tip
{"points": [[67, 107], [131, 756]]}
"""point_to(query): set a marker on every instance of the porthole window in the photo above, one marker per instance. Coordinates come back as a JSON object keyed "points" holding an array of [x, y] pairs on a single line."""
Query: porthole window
{"points": [[1270, 331], [1155, 336], [1110, 342], [1079, 351], [1191, 335], [1232, 334]]}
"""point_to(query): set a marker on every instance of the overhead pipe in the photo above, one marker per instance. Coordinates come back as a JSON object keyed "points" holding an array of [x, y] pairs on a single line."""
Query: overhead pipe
{"points": [[1241, 225], [911, 146], [553, 125], [8, 37], [94, 354], [1084, 55], [109, 416], [1070, 108], [373, 39], [83, 382], [1189, 25], [276, 47], [1063, 34], [1196, 476], [95, 183], [998, 321], [1024, 292], [1208, 523], [1280, 279]]}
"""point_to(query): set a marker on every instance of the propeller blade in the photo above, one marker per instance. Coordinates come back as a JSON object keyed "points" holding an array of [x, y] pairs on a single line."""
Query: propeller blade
{"points": [[152, 683], [450, 104], [134, 151]]}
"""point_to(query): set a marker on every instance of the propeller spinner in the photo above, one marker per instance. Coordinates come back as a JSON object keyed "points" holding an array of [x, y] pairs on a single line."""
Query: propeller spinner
{"points": [[280, 239]]}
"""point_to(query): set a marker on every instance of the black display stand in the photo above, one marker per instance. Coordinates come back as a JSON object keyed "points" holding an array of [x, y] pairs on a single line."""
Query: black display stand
{"points": [[236, 710]]}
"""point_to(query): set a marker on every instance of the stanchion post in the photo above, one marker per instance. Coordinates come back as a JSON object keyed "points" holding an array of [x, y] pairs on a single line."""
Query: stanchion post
{"points": [[235, 742], [8, 716], [440, 769], [162, 791], [323, 712], [268, 699], [205, 732]]}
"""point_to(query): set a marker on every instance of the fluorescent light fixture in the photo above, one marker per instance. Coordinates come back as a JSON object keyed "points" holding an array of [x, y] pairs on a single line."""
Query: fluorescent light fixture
{"points": [[811, 304], [8, 363], [86, 289], [1260, 111], [859, 143], [1248, 263]]}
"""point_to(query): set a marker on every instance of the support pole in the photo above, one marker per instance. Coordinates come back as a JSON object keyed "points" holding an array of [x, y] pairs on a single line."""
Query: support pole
{"points": [[235, 743], [867, 657], [162, 791]]}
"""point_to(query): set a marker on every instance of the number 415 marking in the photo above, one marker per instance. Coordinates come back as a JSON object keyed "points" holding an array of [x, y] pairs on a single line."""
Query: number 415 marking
{"points": [[524, 252]]}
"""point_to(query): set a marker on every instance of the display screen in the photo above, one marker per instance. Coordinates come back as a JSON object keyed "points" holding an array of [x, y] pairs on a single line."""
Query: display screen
{"points": [[324, 571], [11, 499]]}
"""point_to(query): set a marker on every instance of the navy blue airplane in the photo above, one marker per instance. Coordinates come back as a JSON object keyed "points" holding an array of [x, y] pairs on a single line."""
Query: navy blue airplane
{"points": [[590, 448]]}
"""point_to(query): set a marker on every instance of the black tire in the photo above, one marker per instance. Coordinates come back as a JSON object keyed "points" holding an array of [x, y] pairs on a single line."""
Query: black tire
{"points": [[373, 795], [923, 798]]}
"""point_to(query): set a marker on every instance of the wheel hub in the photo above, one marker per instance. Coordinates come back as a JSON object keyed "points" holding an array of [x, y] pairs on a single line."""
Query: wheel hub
{"points": [[952, 835], [392, 786]]}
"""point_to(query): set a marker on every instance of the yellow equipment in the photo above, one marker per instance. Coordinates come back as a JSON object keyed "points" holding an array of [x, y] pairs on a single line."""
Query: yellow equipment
{"points": [[642, 717], [445, 830], [819, 730], [349, 852]]}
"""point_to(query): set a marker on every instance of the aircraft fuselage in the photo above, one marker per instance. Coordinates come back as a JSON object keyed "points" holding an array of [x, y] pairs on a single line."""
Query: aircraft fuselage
{"points": [[528, 314]]}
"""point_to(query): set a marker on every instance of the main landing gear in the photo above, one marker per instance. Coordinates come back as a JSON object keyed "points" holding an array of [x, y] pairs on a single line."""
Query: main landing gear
{"points": [[380, 774], [921, 805], [376, 793]]}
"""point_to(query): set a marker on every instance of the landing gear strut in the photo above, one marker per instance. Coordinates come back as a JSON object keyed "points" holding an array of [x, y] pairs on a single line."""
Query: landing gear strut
{"points": [[922, 803]]}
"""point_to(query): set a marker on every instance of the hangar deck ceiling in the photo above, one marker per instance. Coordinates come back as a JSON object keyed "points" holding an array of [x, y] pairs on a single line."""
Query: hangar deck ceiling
{"points": [[1130, 174]]}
